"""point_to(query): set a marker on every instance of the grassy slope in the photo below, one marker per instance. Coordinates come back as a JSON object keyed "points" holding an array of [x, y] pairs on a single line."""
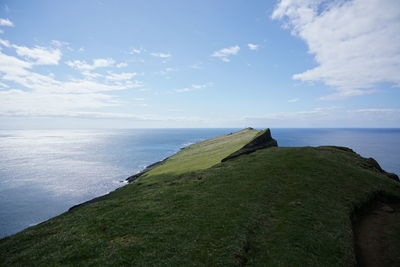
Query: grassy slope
{"points": [[276, 207], [205, 154]]}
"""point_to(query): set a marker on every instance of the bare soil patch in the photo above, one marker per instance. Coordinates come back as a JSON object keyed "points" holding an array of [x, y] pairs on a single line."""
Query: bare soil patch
{"points": [[377, 234]]}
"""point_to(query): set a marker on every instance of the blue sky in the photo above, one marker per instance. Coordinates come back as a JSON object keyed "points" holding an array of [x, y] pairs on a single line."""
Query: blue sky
{"points": [[127, 64]]}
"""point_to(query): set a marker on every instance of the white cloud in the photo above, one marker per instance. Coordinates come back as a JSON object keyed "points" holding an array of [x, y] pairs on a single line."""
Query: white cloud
{"points": [[41, 55], [97, 63], [161, 55], [46, 96], [121, 76], [6, 23], [59, 43], [293, 100], [91, 75], [253, 46], [224, 53], [5, 43], [166, 71], [355, 43], [135, 51], [4, 85], [13, 67], [341, 94], [121, 65], [193, 87], [170, 69]]}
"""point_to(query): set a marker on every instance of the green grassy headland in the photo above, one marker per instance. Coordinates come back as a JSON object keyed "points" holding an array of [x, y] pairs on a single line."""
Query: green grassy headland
{"points": [[274, 207]]}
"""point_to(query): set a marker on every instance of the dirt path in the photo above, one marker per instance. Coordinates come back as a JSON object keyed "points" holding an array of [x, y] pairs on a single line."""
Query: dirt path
{"points": [[377, 235]]}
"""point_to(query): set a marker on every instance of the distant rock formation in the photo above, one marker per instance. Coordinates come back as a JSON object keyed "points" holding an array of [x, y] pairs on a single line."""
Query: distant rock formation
{"points": [[263, 140]]}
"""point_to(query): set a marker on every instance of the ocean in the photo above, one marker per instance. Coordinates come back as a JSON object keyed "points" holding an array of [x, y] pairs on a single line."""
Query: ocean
{"points": [[44, 173]]}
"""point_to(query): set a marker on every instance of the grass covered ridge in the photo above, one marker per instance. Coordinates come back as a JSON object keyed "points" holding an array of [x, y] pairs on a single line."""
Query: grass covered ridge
{"points": [[274, 207], [205, 154]]}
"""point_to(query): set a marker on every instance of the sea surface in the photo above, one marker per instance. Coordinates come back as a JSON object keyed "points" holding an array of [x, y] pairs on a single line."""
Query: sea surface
{"points": [[43, 173]]}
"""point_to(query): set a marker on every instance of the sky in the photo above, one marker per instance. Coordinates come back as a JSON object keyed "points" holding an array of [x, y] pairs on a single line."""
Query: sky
{"points": [[184, 64]]}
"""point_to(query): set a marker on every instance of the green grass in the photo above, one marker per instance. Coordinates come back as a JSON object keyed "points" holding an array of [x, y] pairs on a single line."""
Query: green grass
{"points": [[205, 154], [274, 207]]}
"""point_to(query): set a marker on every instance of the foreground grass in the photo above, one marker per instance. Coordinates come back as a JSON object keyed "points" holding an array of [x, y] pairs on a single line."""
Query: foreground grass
{"points": [[274, 207]]}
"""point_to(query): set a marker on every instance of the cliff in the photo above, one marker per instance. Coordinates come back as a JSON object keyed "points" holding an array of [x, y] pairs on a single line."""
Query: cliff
{"points": [[262, 140]]}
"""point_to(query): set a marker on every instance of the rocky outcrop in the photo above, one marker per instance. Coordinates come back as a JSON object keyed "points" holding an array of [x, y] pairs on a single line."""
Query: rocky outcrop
{"points": [[262, 140], [373, 165], [132, 178], [370, 164]]}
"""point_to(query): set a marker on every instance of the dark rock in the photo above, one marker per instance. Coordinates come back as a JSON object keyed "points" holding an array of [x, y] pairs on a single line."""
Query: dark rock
{"points": [[373, 165], [132, 178], [393, 176], [263, 140]]}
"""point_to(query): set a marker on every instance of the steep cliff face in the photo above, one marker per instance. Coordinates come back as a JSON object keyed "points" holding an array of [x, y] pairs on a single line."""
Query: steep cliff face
{"points": [[263, 140]]}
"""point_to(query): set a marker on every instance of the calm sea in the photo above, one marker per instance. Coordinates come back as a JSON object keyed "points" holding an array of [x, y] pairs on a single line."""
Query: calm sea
{"points": [[43, 173]]}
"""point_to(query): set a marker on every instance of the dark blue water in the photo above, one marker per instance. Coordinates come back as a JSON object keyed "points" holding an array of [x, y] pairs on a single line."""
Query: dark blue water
{"points": [[43, 173]]}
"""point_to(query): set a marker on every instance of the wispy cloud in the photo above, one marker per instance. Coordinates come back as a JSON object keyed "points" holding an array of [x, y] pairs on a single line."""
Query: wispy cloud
{"points": [[345, 93], [59, 43], [193, 87], [253, 46], [134, 51], [5, 43], [121, 76], [161, 55], [97, 63], [6, 22], [91, 75], [121, 65], [380, 111], [40, 55], [167, 71], [355, 43], [293, 100], [225, 53]]}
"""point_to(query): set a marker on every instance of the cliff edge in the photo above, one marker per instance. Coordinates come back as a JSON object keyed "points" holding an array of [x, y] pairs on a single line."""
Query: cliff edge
{"points": [[262, 140]]}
